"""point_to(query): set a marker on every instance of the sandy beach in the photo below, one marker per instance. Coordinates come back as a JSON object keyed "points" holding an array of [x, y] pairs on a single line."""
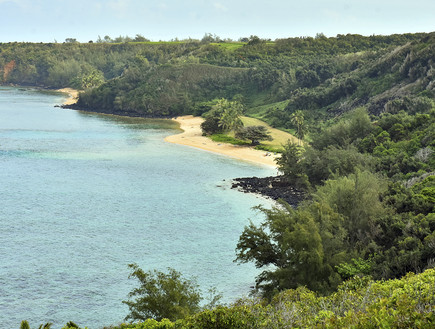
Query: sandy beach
{"points": [[73, 95], [192, 136]]}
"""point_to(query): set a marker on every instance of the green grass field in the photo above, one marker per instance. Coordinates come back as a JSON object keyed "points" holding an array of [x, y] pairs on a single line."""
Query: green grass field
{"points": [[280, 137], [231, 46], [260, 111]]}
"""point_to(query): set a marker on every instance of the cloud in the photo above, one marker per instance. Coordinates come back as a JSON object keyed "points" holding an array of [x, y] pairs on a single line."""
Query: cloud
{"points": [[20, 3], [332, 14], [120, 7], [220, 6], [163, 6]]}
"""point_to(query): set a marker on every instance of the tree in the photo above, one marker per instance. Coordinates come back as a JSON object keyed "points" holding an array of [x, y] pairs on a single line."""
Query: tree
{"points": [[297, 119], [290, 164], [357, 197], [63, 73], [231, 113], [140, 38], [353, 126], [209, 38], [71, 40], [93, 79], [211, 125], [303, 246], [255, 41], [224, 116], [25, 325], [162, 295], [307, 245], [254, 133], [319, 165], [307, 78]]}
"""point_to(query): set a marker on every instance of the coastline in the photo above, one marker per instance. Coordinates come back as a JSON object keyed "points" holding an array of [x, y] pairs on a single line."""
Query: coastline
{"points": [[73, 95], [192, 136]]}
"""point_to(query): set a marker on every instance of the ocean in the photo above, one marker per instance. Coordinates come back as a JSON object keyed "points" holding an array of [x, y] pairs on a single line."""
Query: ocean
{"points": [[83, 195]]}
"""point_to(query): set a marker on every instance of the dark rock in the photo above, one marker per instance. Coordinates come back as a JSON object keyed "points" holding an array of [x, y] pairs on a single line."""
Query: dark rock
{"points": [[274, 187]]}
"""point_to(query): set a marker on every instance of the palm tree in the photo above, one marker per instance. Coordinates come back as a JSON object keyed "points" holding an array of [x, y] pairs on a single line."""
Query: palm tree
{"points": [[25, 325], [297, 119], [45, 326], [231, 113]]}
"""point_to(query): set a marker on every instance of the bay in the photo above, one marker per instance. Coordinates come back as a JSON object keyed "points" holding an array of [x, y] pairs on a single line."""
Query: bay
{"points": [[83, 195]]}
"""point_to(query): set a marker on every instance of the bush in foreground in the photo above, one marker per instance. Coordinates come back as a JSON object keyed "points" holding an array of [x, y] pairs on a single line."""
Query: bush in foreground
{"points": [[359, 303], [162, 295]]}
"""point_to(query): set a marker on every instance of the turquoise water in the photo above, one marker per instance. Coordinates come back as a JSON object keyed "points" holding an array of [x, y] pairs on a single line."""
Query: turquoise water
{"points": [[83, 195]]}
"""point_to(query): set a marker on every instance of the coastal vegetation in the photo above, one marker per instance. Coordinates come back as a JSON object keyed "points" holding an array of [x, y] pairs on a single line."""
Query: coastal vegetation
{"points": [[254, 133], [369, 207], [363, 109], [358, 303], [162, 295]]}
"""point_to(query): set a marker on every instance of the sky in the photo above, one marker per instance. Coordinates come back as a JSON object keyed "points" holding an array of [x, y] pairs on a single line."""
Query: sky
{"points": [[85, 20]]}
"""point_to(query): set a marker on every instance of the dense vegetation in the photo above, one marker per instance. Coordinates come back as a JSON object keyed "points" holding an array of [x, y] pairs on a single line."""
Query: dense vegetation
{"points": [[320, 76], [162, 295], [358, 303], [370, 207], [364, 108]]}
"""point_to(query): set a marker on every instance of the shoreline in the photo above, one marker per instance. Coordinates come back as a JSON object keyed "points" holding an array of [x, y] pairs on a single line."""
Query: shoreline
{"points": [[192, 136], [73, 95]]}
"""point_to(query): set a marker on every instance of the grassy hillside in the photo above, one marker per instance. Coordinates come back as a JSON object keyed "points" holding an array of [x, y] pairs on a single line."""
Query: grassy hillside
{"points": [[279, 137], [274, 80], [324, 77]]}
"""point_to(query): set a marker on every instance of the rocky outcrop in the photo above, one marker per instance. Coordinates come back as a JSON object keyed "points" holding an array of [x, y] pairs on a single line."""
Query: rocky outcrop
{"points": [[275, 187]]}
